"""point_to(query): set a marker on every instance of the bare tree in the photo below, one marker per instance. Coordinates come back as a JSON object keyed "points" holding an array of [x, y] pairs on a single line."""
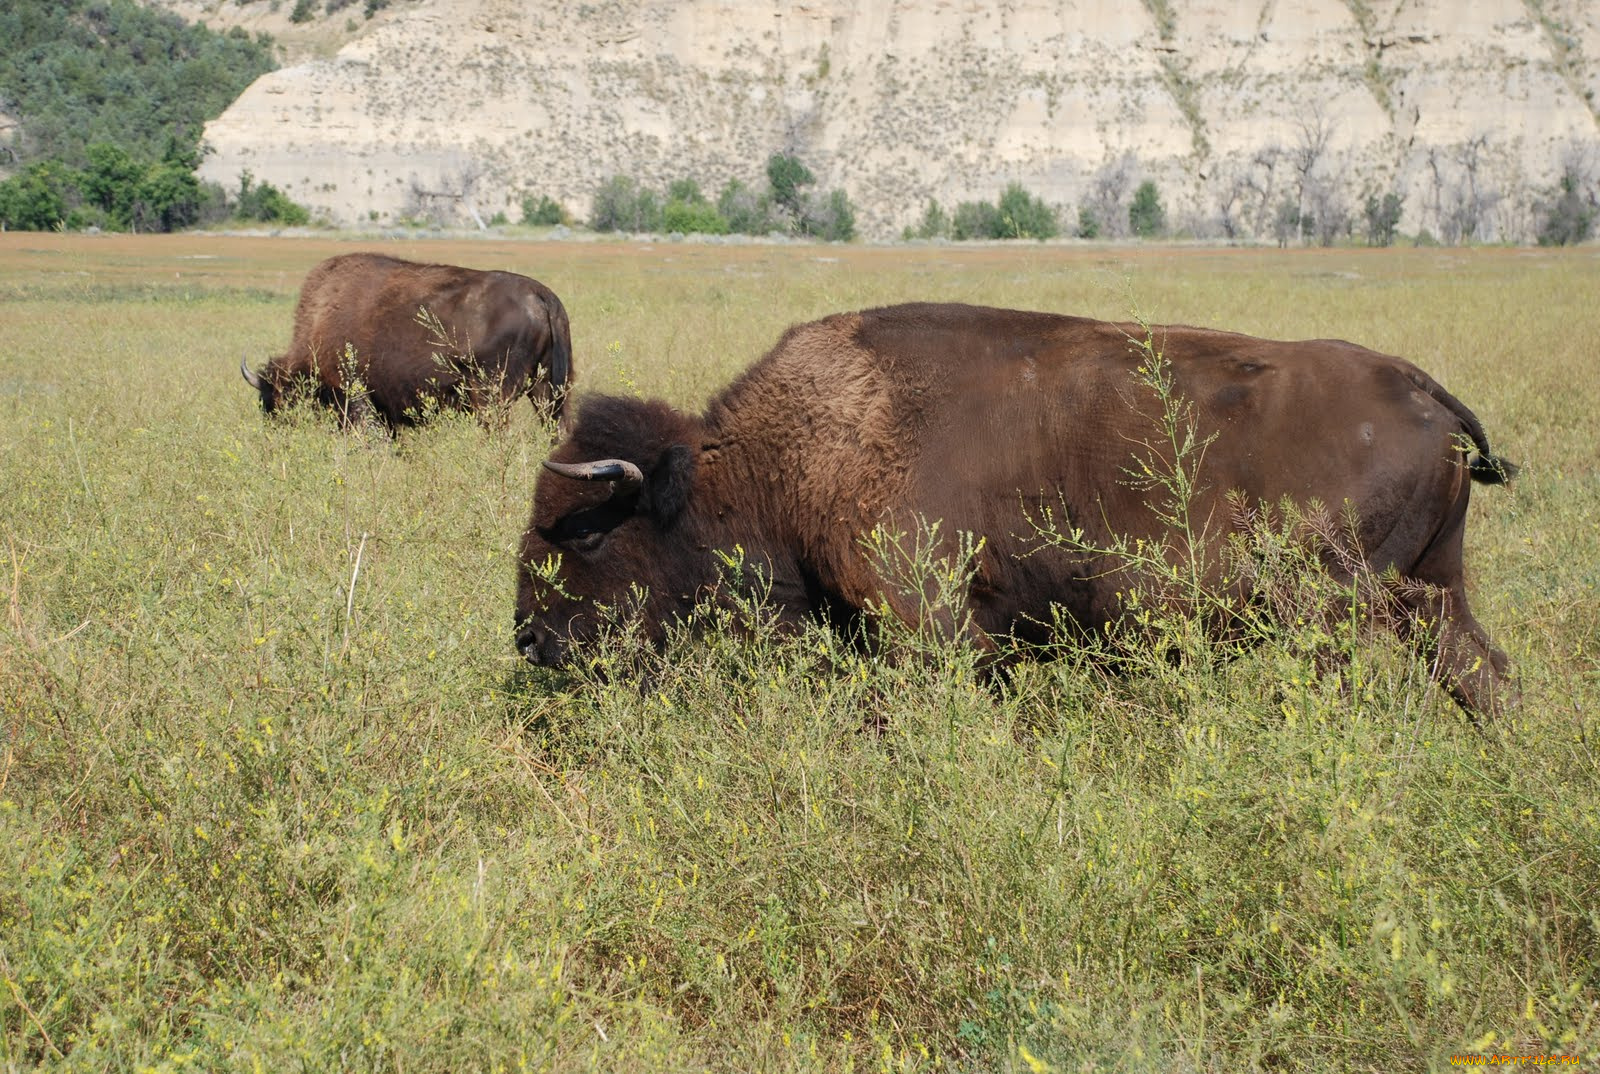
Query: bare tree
{"points": [[1309, 150], [1107, 198]]}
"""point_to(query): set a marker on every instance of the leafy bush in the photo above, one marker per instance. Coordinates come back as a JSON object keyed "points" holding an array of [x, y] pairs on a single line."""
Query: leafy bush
{"points": [[1088, 223], [688, 211], [975, 220], [544, 211], [38, 197], [1024, 216], [747, 211], [1146, 215], [304, 11], [265, 202]]}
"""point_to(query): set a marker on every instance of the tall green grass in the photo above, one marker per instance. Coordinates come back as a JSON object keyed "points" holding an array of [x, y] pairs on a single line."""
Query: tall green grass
{"points": [[275, 792]]}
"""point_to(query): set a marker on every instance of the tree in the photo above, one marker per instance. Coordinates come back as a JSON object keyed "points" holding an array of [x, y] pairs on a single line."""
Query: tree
{"points": [[1146, 216], [786, 175], [111, 181], [621, 204], [168, 197], [1569, 217], [832, 218], [1382, 218], [39, 197]]}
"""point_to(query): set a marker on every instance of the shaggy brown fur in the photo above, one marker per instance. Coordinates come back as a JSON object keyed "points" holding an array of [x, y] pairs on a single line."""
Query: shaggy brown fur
{"points": [[980, 418], [504, 336]]}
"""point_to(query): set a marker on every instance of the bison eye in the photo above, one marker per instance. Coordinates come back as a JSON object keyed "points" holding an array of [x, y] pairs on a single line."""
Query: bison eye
{"points": [[584, 531]]}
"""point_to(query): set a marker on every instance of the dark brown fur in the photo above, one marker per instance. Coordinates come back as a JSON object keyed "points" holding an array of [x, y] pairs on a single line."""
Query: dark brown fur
{"points": [[514, 329], [974, 416]]}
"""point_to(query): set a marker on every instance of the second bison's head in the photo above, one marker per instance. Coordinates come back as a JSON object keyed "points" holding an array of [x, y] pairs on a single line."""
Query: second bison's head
{"points": [[612, 519]]}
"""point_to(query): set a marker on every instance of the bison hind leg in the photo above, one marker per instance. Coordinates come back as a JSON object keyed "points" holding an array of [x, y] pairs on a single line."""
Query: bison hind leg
{"points": [[1461, 657]]}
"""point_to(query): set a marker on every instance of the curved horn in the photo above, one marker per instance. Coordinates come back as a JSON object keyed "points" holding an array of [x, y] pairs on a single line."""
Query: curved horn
{"points": [[252, 379], [624, 473]]}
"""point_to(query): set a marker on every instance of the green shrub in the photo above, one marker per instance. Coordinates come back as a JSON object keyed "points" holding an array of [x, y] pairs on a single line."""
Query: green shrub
{"points": [[543, 211], [622, 204], [1146, 216], [1024, 216], [39, 197], [832, 218], [975, 220], [266, 203], [747, 211], [1088, 223], [304, 11]]}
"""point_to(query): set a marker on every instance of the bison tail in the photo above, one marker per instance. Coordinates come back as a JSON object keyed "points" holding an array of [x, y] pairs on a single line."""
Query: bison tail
{"points": [[1486, 467], [1490, 469], [560, 347]]}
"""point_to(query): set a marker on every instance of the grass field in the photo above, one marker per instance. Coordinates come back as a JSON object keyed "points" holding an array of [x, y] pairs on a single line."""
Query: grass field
{"points": [[275, 793]]}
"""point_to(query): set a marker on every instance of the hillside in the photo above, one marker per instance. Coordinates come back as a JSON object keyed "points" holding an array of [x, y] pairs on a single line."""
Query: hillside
{"points": [[447, 107]]}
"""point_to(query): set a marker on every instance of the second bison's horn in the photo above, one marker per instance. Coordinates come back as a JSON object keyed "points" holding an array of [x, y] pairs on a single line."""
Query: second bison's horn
{"points": [[623, 472], [249, 378]]}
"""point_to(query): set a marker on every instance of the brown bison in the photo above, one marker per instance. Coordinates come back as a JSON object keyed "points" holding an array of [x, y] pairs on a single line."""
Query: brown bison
{"points": [[982, 418], [421, 337]]}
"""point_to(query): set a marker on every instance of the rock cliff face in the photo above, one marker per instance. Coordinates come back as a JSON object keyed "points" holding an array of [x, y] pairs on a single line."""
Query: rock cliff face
{"points": [[1468, 108]]}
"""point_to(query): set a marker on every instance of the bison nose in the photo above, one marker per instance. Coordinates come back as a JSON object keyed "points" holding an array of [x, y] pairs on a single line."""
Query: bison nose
{"points": [[539, 646], [530, 639]]}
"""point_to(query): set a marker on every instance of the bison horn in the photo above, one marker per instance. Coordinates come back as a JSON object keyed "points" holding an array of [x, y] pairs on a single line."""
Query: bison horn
{"points": [[250, 378], [623, 472]]}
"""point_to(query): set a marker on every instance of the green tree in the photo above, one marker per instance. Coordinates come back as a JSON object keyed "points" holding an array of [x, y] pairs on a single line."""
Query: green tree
{"points": [[1024, 216], [1088, 223], [111, 181], [786, 176], [39, 197], [1383, 217], [1146, 216], [168, 197]]}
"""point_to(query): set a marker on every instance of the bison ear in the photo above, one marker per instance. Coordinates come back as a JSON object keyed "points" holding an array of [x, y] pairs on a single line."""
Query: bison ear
{"points": [[671, 480]]}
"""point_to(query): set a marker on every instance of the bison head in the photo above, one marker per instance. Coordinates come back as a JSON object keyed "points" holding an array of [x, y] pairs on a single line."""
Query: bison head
{"points": [[612, 519], [264, 385]]}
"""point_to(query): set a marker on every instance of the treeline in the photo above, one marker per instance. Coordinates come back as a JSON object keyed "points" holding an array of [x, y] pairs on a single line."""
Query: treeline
{"points": [[112, 99], [786, 203]]}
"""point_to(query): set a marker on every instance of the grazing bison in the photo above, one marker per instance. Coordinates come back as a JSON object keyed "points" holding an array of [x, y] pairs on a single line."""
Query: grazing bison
{"points": [[982, 418], [421, 336]]}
